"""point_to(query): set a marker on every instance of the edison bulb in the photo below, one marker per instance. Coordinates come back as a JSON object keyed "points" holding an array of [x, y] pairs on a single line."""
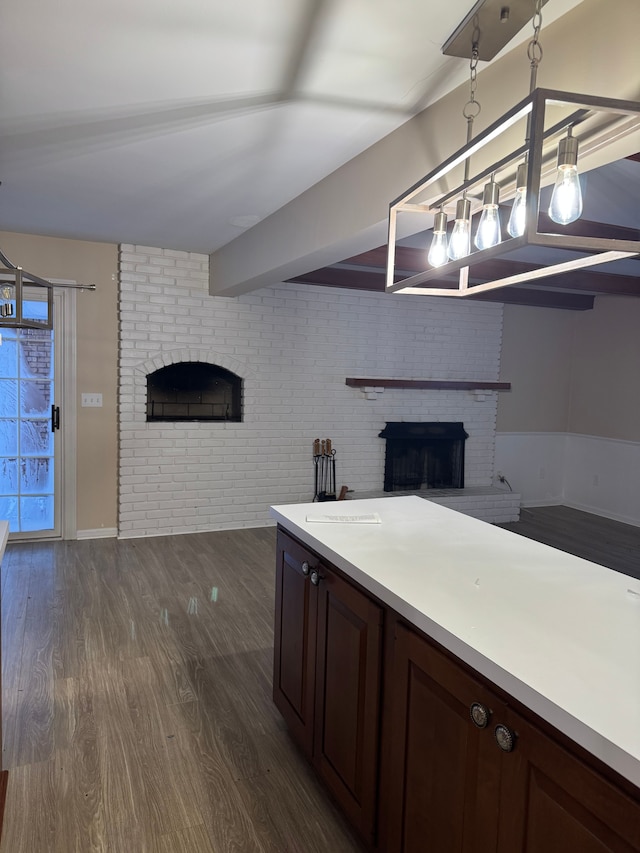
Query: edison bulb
{"points": [[518, 219], [438, 252], [488, 233], [566, 200], [460, 242]]}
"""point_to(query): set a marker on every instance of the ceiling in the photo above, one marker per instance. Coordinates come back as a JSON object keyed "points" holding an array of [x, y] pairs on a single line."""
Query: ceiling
{"points": [[182, 124]]}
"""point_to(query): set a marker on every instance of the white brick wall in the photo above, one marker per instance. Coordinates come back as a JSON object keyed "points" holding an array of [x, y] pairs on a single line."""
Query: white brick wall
{"points": [[294, 346]]}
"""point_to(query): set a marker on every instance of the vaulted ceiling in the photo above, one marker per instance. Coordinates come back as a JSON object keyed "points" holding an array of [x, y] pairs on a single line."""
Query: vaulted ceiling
{"points": [[180, 124], [185, 125]]}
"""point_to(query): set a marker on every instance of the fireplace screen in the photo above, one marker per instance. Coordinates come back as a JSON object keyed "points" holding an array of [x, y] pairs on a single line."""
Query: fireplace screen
{"points": [[424, 456], [194, 391]]}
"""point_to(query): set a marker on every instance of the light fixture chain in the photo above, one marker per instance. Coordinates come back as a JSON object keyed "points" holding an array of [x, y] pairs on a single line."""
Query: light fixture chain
{"points": [[534, 48], [472, 108]]}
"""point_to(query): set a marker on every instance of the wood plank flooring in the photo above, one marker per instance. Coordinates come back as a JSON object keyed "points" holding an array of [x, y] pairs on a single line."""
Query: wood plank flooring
{"points": [[137, 694], [137, 702], [601, 540]]}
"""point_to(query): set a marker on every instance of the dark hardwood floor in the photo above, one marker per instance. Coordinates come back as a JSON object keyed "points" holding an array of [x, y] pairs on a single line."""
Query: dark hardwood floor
{"points": [[137, 702], [138, 715], [609, 543]]}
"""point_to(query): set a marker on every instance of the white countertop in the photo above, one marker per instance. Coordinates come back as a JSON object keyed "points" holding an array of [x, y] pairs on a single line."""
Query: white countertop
{"points": [[558, 633]]}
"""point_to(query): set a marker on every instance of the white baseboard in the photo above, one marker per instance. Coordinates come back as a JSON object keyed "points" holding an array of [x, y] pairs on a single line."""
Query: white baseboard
{"points": [[99, 533], [170, 531], [603, 513]]}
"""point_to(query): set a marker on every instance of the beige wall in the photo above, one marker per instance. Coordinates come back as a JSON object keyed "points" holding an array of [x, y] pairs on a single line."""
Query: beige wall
{"points": [[97, 354], [572, 371], [605, 388], [536, 359]]}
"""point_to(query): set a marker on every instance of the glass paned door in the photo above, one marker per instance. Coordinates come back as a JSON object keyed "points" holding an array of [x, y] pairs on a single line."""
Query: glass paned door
{"points": [[27, 443]]}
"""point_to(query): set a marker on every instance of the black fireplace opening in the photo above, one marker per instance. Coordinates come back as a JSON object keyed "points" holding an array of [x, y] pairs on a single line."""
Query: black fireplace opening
{"points": [[426, 455], [194, 391]]}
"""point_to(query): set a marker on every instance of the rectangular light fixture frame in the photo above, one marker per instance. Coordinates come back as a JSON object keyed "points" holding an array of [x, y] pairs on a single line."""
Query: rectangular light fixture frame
{"points": [[18, 279], [605, 121]]}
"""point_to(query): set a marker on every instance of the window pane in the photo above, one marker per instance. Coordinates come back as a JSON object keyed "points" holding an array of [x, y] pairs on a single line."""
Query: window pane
{"points": [[35, 397], [9, 512], [36, 475], [36, 438], [9, 436], [8, 358], [8, 398], [36, 354], [36, 513], [8, 477]]}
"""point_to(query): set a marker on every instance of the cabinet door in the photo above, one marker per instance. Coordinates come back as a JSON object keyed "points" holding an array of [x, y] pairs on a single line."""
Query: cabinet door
{"points": [[553, 803], [295, 639], [441, 788], [348, 685]]}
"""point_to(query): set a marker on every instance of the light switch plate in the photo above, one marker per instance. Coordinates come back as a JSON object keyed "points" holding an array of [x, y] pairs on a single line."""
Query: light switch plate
{"points": [[91, 400]]}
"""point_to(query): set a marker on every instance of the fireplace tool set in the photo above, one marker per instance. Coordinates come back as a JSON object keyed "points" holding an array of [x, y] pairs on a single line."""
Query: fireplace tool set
{"points": [[324, 463]]}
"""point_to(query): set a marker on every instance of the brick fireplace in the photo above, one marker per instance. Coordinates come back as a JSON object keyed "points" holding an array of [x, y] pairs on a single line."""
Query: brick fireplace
{"points": [[292, 346], [424, 455]]}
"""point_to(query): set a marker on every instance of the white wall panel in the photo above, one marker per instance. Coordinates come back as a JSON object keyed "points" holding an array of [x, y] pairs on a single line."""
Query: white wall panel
{"points": [[590, 473], [533, 463]]}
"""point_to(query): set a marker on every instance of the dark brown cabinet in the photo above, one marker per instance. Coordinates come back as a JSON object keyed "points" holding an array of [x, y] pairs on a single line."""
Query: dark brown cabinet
{"points": [[327, 676], [461, 767], [552, 802], [443, 781], [467, 772]]}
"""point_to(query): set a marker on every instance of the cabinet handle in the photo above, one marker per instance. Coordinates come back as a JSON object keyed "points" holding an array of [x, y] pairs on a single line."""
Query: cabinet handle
{"points": [[305, 568], [480, 715], [505, 738], [315, 578]]}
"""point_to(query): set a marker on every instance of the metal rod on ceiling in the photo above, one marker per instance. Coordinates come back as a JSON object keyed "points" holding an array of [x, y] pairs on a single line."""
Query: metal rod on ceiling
{"points": [[71, 284], [9, 266]]}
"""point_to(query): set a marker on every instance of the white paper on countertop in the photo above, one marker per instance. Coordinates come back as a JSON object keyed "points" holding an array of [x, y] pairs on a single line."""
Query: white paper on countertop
{"points": [[344, 518]]}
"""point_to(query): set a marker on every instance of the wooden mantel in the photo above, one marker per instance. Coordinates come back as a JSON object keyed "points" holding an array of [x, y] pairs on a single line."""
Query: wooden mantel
{"points": [[429, 384]]}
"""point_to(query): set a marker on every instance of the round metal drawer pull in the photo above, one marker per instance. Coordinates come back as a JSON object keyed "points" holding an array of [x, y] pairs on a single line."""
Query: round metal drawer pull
{"points": [[480, 715], [505, 738], [305, 568], [315, 578]]}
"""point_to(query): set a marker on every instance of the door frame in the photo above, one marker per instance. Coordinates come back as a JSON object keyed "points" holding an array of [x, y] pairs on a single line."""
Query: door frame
{"points": [[67, 354], [65, 382]]}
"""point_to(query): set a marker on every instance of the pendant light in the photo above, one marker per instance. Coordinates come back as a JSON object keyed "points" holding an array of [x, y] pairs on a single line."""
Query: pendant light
{"points": [[488, 233], [566, 199], [460, 242], [518, 218], [438, 252], [552, 123]]}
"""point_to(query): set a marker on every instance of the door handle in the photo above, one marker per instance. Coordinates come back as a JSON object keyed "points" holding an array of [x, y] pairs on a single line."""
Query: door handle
{"points": [[55, 418]]}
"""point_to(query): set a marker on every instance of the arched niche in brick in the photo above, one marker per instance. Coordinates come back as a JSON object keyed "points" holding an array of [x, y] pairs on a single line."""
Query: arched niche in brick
{"points": [[194, 391]]}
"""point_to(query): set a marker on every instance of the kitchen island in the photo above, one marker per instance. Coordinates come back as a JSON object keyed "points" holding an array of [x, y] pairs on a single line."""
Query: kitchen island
{"points": [[498, 679]]}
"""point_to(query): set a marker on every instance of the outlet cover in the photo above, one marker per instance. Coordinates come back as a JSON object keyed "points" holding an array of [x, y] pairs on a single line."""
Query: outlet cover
{"points": [[91, 401]]}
